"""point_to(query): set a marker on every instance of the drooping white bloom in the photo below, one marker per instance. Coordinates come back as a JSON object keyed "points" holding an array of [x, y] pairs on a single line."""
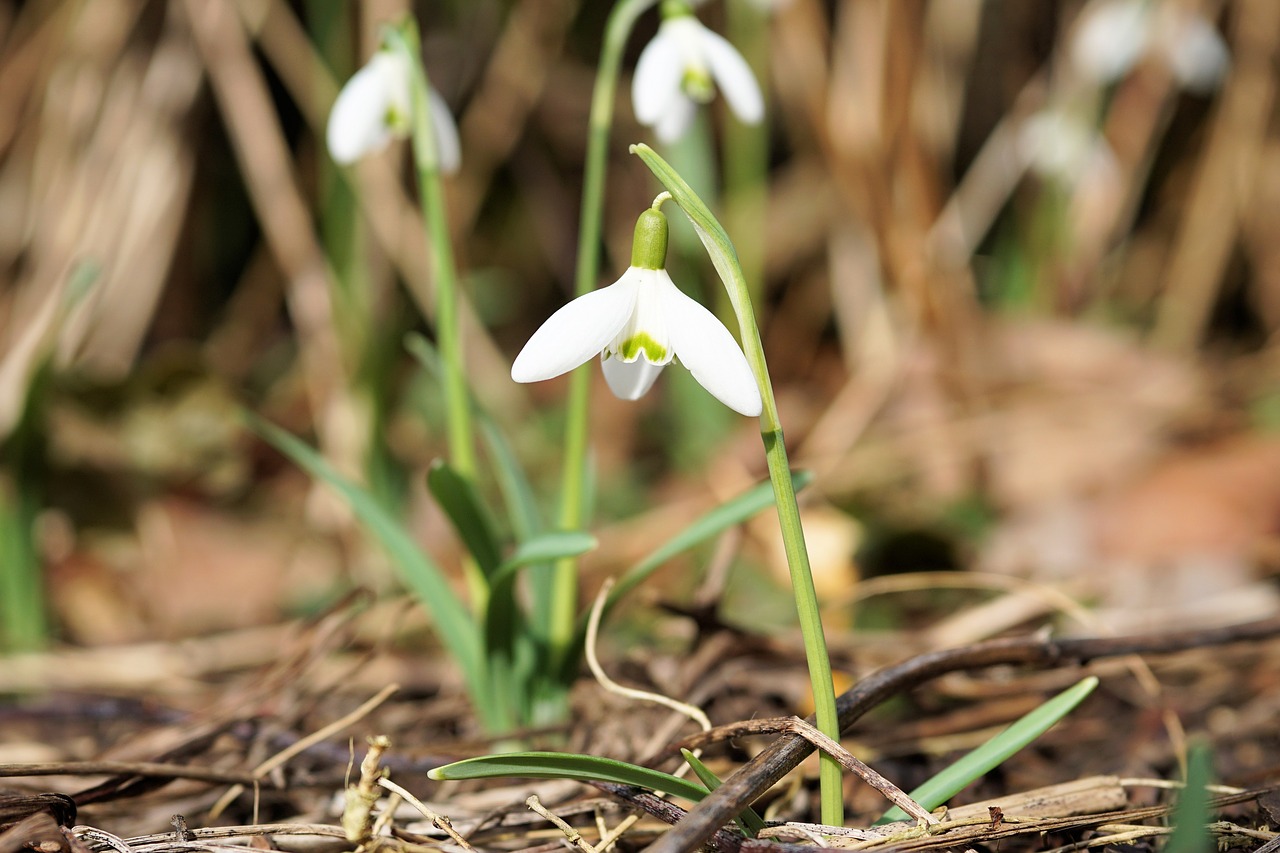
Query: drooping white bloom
{"points": [[374, 107], [1058, 145], [638, 325], [681, 68], [1114, 35], [770, 6]]}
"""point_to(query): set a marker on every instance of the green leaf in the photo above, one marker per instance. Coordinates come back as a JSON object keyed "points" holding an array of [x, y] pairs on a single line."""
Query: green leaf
{"points": [[748, 821], [505, 628], [521, 503], [515, 643], [514, 661], [564, 765], [1192, 815], [545, 547], [457, 632], [712, 523], [470, 520], [991, 754]]}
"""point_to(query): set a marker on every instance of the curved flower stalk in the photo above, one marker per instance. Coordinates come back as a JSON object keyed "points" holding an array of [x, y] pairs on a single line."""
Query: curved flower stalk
{"points": [[637, 326], [725, 259], [1114, 35], [681, 69], [374, 107]]}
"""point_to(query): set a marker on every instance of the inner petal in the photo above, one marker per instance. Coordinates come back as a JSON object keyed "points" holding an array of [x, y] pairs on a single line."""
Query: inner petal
{"points": [[645, 334]]}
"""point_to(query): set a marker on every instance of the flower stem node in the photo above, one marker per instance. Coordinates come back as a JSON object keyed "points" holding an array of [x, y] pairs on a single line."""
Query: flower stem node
{"points": [[681, 69], [638, 325]]}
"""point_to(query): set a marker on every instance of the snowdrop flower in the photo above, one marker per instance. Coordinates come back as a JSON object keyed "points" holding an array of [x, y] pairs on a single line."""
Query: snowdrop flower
{"points": [[375, 107], [768, 7], [1058, 145], [638, 325], [1114, 35], [680, 69]]}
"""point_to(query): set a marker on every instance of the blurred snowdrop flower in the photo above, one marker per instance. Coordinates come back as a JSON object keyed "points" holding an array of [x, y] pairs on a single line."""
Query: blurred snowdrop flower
{"points": [[1055, 144], [638, 325], [374, 107], [681, 68], [1114, 35], [769, 6]]}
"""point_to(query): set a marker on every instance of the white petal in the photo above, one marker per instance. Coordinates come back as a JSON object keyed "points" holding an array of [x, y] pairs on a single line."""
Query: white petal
{"points": [[577, 331], [704, 345], [358, 120], [656, 81], [1196, 53], [445, 131], [734, 77], [630, 381], [1056, 144], [1110, 38], [673, 123]]}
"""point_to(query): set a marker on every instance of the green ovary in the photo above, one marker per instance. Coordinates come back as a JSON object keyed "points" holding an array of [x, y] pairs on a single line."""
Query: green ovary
{"points": [[654, 352]]}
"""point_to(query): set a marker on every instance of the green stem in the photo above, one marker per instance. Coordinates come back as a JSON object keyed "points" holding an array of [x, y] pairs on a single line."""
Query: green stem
{"points": [[815, 644], [444, 272], [725, 258], [564, 600]]}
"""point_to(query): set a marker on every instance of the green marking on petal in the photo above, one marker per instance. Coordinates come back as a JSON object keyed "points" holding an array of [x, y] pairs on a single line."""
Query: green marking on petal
{"points": [[654, 352], [697, 84], [396, 120]]}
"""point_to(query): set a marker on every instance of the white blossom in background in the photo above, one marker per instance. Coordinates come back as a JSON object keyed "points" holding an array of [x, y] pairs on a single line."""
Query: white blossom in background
{"points": [[681, 69], [1057, 145], [770, 6], [374, 107], [638, 325], [1114, 35]]}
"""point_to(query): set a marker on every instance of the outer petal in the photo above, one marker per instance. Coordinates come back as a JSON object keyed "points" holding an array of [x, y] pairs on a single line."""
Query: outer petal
{"points": [[630, 381], [1195, 52], [656, 81], [577, 331], [357, 122], [704, 345], [1110, 39], [445, 131], [734, 77], [673, 123]]}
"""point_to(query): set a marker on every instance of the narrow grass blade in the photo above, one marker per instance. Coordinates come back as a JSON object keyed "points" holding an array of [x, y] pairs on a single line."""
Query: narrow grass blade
{"points": [[457, 632], [545, 547], [519, 671], [466, 513], [711, 523], [991, 754], [22, 600], [1192, 815], [564, 765], [517, 666], [517, 494], [748, 821]]}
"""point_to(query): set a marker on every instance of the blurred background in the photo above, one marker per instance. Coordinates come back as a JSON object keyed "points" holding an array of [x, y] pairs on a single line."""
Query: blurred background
{"points": [[1016, 265]]}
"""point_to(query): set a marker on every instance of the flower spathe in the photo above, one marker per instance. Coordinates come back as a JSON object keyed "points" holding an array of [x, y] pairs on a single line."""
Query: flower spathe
{"points": [[681, 68], [374, 107], [638, 325]]}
